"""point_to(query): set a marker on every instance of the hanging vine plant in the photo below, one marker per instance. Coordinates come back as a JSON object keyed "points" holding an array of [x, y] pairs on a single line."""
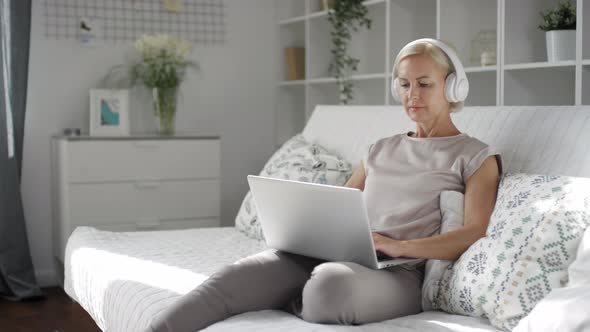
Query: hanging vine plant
{"points": [[346, 17]]}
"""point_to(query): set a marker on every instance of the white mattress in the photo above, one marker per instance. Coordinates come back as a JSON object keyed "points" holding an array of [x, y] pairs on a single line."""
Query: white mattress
{"points": [[124, 279]]}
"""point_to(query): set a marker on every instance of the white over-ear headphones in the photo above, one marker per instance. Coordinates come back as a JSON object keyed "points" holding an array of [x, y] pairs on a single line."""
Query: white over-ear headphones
{"points": [[456, 84]]}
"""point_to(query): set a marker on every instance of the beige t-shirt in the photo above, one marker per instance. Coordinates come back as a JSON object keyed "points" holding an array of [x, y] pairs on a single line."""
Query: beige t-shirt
{"points": [[405, 176]]}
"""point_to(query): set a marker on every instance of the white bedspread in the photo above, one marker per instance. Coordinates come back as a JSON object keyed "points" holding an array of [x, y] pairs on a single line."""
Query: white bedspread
{"points": [[124, 279]]}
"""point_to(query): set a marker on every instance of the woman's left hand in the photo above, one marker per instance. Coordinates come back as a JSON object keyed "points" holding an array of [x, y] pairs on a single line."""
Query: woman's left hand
{"points": [[387, 245]]}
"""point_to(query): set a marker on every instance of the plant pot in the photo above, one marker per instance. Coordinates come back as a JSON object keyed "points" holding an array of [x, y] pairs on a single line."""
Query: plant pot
{"points": [[561, 45], [165, 109]]}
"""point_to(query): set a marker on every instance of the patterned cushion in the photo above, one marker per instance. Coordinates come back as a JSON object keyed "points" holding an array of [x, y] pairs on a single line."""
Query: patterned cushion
{"points": [[297, 160], [565, 309], [534, 231]]}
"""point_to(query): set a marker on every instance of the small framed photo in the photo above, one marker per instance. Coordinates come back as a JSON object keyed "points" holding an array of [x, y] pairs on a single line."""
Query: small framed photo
{"points": [[109, 112]]}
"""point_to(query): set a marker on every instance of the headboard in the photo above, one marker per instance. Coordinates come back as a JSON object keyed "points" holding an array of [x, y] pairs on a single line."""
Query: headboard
{"points": [[532, 139]]}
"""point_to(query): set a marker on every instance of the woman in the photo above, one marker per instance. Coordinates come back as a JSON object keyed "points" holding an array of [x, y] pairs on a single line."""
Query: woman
{"points": [[402, 177]]}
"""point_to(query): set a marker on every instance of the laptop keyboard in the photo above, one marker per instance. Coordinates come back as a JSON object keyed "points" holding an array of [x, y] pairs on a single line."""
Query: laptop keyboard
{"points": [[382, 257]]}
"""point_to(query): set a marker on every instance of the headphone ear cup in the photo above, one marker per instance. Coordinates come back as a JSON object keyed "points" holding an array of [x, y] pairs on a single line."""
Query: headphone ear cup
{"points": [[395, 89], [462, 89], [451, 88]]}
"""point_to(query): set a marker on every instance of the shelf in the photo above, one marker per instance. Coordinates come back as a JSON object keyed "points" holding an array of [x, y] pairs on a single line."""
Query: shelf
{"points": [[361, 77], [324, 13], [534, 65], [542, 86], [368, 76], [292, 20], [470, 26], [318, 14], [481, 69], [292, 83], [524, 42], [292, 36], [520, 76], [372, 2], [322, 80]]}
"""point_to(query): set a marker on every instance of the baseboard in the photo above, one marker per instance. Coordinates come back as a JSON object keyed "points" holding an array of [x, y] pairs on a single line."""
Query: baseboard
{"points": [[46, 278]]}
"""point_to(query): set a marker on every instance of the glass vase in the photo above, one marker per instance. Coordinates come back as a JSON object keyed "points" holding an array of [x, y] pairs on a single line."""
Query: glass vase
{"points": [[165, 109]]}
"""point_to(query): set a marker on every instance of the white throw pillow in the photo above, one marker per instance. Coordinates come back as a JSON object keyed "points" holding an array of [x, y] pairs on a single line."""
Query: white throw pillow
{"points": [[297, 160], [451, 210], [534, 232], [579, 271], [565, 309]]}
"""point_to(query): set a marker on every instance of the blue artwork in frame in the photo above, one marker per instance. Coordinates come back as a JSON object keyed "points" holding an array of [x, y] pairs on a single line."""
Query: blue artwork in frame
{"points": [[109, 113]]}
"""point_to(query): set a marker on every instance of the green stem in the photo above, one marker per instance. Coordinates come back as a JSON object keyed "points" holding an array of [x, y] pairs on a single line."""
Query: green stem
{"points": [[165, 108]]}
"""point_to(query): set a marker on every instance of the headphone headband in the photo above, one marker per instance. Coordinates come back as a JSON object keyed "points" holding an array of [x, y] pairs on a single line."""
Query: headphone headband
{"points": [[459, 71]]}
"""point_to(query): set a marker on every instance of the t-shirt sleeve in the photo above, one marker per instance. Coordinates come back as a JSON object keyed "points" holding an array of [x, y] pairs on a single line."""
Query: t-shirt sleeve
{"points": [[478, 160], [366, 158]]}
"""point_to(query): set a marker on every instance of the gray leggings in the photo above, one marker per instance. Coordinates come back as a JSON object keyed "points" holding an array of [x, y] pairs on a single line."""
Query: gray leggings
{"points": [[317, 291]]}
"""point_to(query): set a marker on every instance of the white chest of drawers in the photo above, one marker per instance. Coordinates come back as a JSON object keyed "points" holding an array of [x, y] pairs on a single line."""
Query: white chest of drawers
{"points": [[134, 184]]}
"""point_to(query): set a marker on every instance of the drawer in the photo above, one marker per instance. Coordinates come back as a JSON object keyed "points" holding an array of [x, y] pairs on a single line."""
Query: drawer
{"points": [[124, 160], [157, 226], [108, 203]]}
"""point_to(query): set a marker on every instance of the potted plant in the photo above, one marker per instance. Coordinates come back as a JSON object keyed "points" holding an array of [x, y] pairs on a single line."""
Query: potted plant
{"points": [[162, 68], [345, 17], [559, 25]]}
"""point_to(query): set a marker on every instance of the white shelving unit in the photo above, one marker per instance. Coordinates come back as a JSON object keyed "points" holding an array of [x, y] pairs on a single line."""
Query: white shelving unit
{"points": [[522, 75]]}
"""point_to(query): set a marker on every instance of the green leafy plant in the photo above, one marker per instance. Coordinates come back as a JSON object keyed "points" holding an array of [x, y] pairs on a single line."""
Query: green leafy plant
{"points": [[346, 17], [563, 17], [163, 60]]}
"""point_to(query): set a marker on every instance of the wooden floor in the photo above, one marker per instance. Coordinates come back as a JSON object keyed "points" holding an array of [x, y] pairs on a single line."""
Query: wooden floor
{"points": [[56, 313]]}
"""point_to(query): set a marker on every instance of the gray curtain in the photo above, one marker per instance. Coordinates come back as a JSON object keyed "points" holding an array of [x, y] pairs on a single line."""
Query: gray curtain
{"points": [[17, 277]]}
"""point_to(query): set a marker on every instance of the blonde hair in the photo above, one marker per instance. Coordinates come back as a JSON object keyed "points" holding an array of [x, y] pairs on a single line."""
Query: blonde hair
{"points": [[436, 54]]}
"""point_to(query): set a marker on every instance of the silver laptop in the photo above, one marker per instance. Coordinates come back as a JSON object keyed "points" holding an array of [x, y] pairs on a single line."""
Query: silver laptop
{"points": [[316, 220]]}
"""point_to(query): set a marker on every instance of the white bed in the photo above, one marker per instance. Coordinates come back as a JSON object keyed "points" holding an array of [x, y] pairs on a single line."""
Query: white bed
{"points": [[124, 279]]}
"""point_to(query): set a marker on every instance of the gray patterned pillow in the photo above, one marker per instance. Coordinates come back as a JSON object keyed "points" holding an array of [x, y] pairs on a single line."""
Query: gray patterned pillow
{"points": [[534, 232], [297, 160]]}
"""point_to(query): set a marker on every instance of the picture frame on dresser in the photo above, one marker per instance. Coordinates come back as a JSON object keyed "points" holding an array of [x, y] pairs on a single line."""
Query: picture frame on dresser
{"points": [[109, 112]]}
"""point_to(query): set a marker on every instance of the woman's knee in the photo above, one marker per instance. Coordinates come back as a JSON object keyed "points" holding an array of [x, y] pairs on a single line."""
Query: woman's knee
{"points": [[328, 296]]}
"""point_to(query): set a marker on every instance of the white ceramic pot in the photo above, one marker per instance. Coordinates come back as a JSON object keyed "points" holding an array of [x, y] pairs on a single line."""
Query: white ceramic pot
{"points": [[561, 45]]}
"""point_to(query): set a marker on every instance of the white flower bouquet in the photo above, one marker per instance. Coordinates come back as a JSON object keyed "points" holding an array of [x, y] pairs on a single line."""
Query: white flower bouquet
{"points": [[162, 68], [163, 60]]}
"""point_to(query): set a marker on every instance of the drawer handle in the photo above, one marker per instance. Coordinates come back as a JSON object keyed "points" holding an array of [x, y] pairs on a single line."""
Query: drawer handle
{"points": [[147, 224], [146, 185]]}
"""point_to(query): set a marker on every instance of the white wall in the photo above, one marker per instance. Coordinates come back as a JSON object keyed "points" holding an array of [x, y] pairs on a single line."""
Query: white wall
{"points": [[233, 95]]}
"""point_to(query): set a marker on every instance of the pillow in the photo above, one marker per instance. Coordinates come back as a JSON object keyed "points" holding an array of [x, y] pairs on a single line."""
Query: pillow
{"points": [[297, 160], [451, 210], [534, 231], [565, 309], [579, 271]]}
